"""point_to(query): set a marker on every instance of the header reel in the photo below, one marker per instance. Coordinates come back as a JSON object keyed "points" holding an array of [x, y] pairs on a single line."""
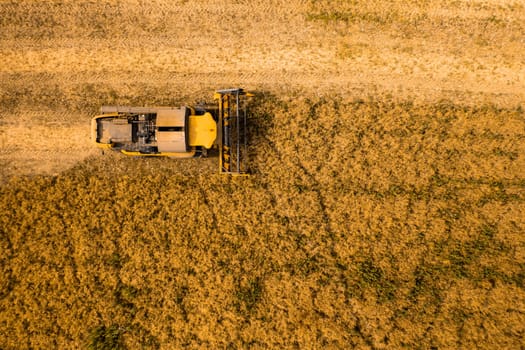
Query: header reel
{"points": [[232, 131]]}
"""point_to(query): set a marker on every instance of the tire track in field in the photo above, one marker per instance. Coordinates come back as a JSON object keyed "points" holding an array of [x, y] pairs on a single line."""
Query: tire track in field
{"points": [[314, 187]]}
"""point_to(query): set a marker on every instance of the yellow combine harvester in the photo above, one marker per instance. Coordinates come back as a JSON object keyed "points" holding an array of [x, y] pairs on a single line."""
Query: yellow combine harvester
{"points": [[179, 132]]}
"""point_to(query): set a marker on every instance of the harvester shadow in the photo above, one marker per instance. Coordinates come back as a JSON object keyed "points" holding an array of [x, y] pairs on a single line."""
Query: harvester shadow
{"points": [[261, 118]]}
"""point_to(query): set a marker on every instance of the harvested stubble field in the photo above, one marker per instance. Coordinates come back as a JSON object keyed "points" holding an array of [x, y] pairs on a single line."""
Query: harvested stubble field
{"points": [[386, 208]]}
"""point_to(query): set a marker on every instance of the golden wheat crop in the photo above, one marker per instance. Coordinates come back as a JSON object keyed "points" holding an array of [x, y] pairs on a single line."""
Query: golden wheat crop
{"points": [[385, 208], [398, 235]]}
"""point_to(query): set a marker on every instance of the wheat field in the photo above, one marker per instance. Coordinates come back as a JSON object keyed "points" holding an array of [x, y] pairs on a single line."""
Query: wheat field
{"points": [[385, 208]]}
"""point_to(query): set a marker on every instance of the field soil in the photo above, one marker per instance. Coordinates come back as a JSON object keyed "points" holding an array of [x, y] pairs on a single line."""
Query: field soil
{"points": [[387, 197]]}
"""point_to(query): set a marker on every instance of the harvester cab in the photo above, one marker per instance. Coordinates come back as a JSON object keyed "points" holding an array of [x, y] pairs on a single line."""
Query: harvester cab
{"points": [[179, 132]]}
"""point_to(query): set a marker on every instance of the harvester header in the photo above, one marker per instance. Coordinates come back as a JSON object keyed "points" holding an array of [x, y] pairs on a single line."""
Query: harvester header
{"points": [[232, 136]]}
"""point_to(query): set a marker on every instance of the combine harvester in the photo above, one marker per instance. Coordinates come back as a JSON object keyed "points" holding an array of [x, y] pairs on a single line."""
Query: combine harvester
{"points": [[179, 132]]}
